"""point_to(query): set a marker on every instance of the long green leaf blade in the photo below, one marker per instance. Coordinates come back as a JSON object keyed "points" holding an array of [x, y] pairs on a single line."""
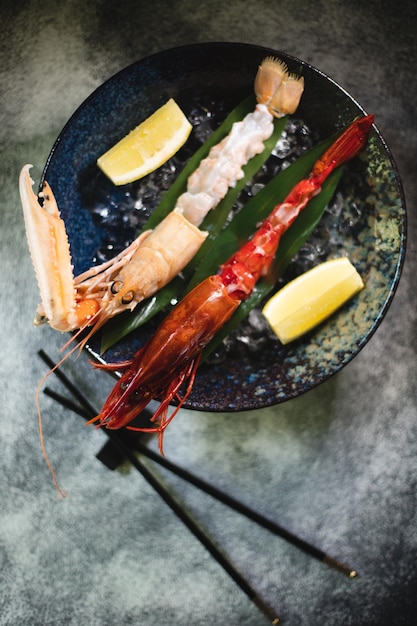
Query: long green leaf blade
{"points": [[119, 327], [290, 243], [221, 245], [255, 210]]}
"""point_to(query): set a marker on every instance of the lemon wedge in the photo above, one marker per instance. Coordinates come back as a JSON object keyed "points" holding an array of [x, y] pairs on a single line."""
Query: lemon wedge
{"points": [[148, 146], [310, 298]]}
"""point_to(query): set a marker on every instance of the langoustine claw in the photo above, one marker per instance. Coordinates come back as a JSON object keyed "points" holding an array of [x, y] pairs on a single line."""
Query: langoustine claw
{"points": [[49, 247]]}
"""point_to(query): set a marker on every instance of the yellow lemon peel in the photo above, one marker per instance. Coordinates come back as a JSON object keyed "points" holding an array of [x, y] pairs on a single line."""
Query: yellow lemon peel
{"points": [[148, 146], [312, 297]]}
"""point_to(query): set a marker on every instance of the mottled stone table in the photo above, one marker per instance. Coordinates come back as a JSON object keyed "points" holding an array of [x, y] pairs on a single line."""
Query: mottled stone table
{"points": [[337, 466]]}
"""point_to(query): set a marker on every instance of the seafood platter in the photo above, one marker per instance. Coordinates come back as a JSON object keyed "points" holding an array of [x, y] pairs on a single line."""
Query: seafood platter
{"points": [[364, 219]]}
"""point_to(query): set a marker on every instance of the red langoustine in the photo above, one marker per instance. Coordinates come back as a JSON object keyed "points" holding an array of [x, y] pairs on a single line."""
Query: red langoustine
{"points": [[165, 367]]}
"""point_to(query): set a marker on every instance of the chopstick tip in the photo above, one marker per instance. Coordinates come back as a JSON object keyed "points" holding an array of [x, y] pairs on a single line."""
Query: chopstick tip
{"points": [[266, 610], [344, 569]]}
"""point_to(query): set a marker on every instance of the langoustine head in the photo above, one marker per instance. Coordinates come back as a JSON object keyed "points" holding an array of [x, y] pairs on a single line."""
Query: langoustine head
{"points": [[277, 88]]}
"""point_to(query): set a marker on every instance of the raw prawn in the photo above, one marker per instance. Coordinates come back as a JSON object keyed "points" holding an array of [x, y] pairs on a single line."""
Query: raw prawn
{"points": [[156, 256], [167, 363]]}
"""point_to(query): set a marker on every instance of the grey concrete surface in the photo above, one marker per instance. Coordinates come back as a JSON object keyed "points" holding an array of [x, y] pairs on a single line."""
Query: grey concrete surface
{"points": [[337, 466]]}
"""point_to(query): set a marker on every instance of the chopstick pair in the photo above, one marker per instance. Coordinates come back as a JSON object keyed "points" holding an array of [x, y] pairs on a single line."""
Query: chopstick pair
{"points": [[128, 446]]}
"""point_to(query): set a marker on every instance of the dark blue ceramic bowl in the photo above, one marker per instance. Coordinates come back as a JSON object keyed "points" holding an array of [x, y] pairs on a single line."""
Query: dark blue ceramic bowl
{"points": [[367, 221]]}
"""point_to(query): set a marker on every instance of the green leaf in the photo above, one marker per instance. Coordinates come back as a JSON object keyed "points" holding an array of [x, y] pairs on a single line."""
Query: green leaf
{"points": [[255, 210], [221, 245], [291, 242], [119, 327]]}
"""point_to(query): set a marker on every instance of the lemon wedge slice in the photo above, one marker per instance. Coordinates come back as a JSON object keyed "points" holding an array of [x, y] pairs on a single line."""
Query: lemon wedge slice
{"points": [[148, 146], [310, 298]]}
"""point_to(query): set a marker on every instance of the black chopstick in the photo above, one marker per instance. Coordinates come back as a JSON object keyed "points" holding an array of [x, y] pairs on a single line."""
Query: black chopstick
{"points": [[216, 493], [179, 511], [73, 389], [88, 411], [196, 529], [241, 508]]}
